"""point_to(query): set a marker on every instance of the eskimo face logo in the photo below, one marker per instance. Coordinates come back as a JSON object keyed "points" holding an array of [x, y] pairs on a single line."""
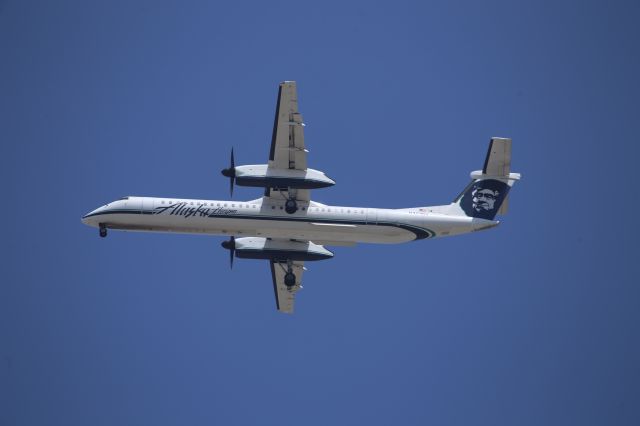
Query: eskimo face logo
{"points": [[483, 198]]}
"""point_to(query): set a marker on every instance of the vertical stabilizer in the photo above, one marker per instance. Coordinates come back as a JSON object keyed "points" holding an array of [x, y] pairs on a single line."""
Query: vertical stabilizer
{"points": [[486, 195]]}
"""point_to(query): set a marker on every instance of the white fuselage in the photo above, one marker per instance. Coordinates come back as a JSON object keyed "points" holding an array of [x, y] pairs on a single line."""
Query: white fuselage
{"points": [[266, 218]]}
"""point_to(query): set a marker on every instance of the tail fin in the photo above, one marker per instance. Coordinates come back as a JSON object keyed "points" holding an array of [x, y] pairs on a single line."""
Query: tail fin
{"points": [[486, 195]]}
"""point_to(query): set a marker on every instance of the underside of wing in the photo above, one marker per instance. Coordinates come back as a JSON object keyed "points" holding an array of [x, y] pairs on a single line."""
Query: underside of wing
{"points": [[287, 142], [279, 195], [285, 295]]}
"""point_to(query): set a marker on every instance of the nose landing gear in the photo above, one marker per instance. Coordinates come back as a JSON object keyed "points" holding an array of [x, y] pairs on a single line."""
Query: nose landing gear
{"points": [[103, 230]]}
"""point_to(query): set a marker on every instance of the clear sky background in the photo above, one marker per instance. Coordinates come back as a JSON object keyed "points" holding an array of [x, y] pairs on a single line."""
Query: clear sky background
{"points": [[534, 322]]}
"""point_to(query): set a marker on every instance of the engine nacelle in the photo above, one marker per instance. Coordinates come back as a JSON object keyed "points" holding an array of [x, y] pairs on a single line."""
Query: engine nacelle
{"points": [[278, 250], [260, 175]]}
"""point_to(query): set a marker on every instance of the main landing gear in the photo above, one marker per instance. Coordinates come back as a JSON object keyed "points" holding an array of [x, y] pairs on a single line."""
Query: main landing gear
{"points": [[289, 276], [290, 206], [289, 279], [103, 230]]}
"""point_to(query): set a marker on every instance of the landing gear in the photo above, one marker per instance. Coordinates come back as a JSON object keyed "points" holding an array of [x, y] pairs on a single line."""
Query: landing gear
{"points": [[289, 276], [290, 206], [103, 230], [289, 279]]}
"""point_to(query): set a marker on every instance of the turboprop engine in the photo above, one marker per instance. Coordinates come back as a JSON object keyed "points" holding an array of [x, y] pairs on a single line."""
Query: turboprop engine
{"points": [[276, 250], [260, 175]]}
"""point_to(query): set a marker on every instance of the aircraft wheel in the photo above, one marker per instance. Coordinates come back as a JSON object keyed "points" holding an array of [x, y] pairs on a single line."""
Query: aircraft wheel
{"points": [[291, 206], [103, 231], [289, 279]]}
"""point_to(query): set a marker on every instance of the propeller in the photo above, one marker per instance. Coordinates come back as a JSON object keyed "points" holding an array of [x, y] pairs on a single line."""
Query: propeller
{"points": [[230, 173], [231, 246]]}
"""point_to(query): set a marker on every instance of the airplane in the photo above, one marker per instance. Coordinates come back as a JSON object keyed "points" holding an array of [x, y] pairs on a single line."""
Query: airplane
{"points": [[287, 228]]}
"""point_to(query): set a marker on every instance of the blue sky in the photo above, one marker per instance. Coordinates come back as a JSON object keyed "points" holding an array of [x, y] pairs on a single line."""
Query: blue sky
{"points": [[535, 322]]}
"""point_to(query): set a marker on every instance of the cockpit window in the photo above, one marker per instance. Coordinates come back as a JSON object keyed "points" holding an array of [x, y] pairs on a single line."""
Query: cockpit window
{"points": [[124, 198]]}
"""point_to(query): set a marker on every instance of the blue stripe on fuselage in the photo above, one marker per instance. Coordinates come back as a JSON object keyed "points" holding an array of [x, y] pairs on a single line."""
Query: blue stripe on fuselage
{"points": [[420, 233]]}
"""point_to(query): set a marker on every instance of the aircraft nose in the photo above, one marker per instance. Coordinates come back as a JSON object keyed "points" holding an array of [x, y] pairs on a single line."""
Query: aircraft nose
{"points": [[87, 219]]}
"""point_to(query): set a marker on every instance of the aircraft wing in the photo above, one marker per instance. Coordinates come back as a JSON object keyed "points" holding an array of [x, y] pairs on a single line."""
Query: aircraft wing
{"points": [[287, 142], [285, 296]]}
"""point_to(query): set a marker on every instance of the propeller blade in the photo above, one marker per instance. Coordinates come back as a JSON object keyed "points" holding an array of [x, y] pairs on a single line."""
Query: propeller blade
{"points": [[230, 172], [232, 251], [233, 167], [231, 246]]}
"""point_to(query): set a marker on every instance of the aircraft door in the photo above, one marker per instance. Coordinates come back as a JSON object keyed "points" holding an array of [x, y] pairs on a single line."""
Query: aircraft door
{"points": [[372, 216], [133, 203], [148, 204]]}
